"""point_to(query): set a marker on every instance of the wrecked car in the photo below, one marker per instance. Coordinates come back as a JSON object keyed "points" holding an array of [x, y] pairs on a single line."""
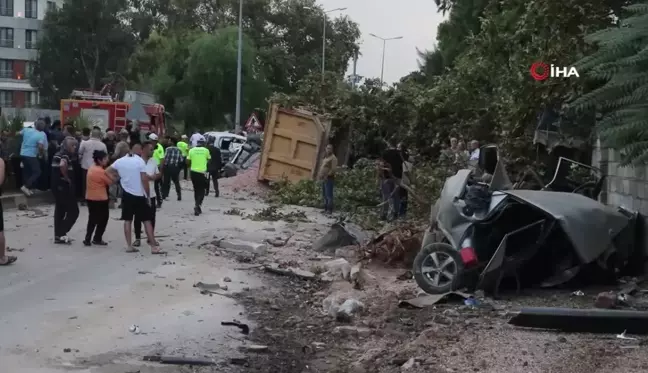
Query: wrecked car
{"points": [[483, 232]]}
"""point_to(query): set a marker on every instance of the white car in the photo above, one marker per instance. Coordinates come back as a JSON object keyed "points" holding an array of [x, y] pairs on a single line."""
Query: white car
{"points": [[226, 141]]}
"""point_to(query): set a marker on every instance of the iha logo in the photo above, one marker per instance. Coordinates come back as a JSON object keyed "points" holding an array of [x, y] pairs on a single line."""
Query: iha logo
{"points": [[541, 71]]}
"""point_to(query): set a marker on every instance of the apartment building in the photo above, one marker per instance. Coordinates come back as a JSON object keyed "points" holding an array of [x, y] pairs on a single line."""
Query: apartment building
{"points": [[20, 22]]}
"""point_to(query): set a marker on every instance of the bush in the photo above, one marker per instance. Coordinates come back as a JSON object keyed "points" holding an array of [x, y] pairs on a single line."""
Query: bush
{"points": [[357, 192]]}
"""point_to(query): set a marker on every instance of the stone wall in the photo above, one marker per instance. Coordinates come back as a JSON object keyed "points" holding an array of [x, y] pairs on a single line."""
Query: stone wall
{"points": [[625, 186]]}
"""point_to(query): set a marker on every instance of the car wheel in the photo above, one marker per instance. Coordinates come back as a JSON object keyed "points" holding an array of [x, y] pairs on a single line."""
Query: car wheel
{"points": [[438, 268]]}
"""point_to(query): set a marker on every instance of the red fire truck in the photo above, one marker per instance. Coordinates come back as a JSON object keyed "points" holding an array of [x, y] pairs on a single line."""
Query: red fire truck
{"points": [[109, 114]]}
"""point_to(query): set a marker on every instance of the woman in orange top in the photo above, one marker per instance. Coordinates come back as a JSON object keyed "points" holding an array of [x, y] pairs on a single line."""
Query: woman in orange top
{"points": [[97, 183]]}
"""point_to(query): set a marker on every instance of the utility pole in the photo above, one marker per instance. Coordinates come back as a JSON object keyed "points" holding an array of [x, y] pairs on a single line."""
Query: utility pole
{"points": [[384, 40], [324, 40], [239, 68]]}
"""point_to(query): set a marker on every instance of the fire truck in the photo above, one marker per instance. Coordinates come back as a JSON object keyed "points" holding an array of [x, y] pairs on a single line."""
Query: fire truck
{"points": [[110, 114]]}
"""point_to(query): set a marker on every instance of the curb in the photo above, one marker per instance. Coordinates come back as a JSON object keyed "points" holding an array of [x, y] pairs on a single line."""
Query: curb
{"points": [[13, 200]]}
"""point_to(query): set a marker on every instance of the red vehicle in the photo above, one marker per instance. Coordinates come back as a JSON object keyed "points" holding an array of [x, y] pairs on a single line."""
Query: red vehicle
{"points": [[111, 115]]}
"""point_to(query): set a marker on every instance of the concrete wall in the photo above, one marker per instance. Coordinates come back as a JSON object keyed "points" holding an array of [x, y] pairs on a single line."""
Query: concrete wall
{"points": [[31, 114]]}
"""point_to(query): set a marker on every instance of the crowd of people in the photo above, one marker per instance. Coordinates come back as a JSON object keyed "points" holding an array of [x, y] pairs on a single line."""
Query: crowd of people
{"points": [[95, 169]]}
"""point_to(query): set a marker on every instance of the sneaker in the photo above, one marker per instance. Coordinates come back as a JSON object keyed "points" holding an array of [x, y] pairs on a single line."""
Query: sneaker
{"points": [[137, 243], [100, 243], [196, 211], [62, 240], [87, 243], [179, 198], [26, 191]]}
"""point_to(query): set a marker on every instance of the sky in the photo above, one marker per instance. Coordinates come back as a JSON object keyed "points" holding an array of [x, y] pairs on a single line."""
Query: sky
{"points": [[415, 20]]}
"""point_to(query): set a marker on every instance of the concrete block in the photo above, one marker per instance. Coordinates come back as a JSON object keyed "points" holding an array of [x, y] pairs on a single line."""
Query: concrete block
{"points": [[240, 245], [626, 186]]}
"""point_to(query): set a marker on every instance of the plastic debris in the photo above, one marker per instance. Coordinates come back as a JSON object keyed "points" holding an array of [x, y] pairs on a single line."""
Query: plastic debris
{"points": [[134, 329], [578, 293], [623, 336]]}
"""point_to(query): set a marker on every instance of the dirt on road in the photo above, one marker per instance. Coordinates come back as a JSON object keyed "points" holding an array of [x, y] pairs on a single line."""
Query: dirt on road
{"points": [[292, 319]]}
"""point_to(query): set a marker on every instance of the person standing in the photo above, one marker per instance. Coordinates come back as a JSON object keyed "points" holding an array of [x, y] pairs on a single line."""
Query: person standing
{"points": [[195, 138], [86, 156], [198, 157], [184, 149], [34, 145], [5, 259], [327, 177], [214, 166], [474, 150], [66, 210], [392, 172], [173, 163], [134, 181], [158, 158], [153, 173], [97, 199], [110, 141]]}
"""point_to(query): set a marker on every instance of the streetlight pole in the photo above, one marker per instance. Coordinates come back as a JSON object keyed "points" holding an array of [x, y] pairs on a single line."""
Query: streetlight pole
{"points": [[324, 40], [384, 40], [239, 68]]}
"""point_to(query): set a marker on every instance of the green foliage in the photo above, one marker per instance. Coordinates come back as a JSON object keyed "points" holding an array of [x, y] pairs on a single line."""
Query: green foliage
{"points": [[620, 62], [82, 43]]}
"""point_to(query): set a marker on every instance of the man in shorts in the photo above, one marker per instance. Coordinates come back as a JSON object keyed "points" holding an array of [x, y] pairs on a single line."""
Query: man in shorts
{"points": [[134, 182]]}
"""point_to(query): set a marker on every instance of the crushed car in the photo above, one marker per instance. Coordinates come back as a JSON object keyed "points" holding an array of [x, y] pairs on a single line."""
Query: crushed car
{"points": [[484, 232]]}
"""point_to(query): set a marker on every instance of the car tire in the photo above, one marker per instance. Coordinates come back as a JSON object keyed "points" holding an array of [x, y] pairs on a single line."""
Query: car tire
{"points": [[424, 261]]}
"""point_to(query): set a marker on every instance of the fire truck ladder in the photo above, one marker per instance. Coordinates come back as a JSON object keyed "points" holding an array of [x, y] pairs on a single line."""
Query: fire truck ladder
{"points": [[120, 116]]}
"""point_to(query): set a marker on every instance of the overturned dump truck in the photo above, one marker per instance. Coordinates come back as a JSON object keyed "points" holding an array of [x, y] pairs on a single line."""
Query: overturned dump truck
{"points": [[484, 233]]}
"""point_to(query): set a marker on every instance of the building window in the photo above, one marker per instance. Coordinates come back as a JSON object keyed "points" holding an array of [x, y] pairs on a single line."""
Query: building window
{"points": [[6, 8], [6, 37], [6, 69], [29, 69], [31, 99], [31, 38], [31, 9], [6, 98], [51, 6]]}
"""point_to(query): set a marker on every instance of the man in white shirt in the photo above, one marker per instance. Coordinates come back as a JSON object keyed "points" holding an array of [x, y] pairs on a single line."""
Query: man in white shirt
{"points": [[474, 150], [86, 152], [135, 183], [154, 174], [193, 140]]}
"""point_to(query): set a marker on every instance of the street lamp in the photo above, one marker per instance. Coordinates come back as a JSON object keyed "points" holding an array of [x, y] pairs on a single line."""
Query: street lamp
{"points": [[324, 39], [239, 68], [384, 40]]}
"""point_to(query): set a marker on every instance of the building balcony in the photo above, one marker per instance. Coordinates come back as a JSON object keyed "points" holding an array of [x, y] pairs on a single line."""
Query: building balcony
{"points": [[30, 45], [31, 13], [6, 74], [6, 11], [6, 43]]}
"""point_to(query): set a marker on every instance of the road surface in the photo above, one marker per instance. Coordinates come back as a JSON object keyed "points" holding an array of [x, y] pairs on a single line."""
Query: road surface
{"points": [[84, 300]]}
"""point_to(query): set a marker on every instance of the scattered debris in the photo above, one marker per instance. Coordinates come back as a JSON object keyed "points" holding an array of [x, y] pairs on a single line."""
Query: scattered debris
{"points": [[623, 336], [290, 271], [254, 348], [210, 289], [134, 329], [340, 235], [272, 213], [582, 320], [278, 242], [234, 211], [578, 293], [14, 249], [245, 329], [227, 279], [606, 300], [433, 299], [179, 360], [396, 245]]}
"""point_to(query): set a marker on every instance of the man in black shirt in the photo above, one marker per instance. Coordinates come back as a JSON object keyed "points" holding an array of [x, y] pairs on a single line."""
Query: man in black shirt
{"points": [[66, 210], [391, 173], [214, 166]]}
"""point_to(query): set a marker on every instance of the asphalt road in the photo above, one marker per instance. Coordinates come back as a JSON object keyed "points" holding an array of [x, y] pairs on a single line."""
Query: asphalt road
{"points": [[85, 299]]}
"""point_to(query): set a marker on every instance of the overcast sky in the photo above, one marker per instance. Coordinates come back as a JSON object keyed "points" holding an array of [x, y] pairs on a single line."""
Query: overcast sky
{"points": [[415, 20]]}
